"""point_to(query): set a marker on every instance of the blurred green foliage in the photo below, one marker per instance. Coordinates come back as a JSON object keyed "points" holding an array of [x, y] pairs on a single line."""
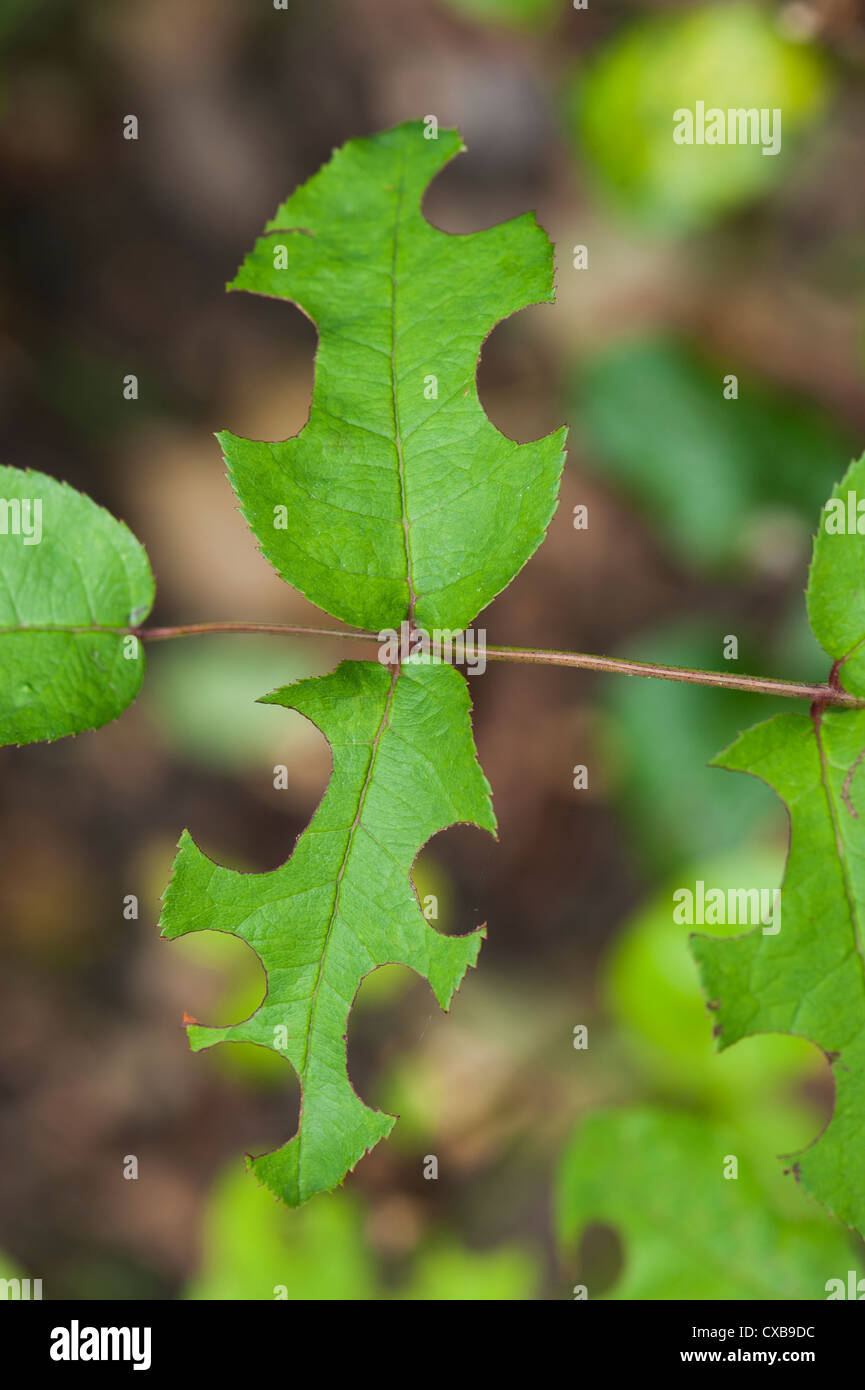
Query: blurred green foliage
{"points": [[620, 109], [203, 695], [699, 466], [659, 737], [445, 1270], [253, 1246], [515, 14], [9, 1269], [12, 13], [654, 997], [256, 1248], [689, 1231], [656, 1175]]}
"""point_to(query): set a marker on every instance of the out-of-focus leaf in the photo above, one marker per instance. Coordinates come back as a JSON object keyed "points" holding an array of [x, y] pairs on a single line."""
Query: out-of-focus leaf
{"points": [[702, 467], [726, 55], [12, 13], [514, 14], [446, 1272], [661, 737], [206, 698], [8, 1268], [689, 1232], [254, 1248]]}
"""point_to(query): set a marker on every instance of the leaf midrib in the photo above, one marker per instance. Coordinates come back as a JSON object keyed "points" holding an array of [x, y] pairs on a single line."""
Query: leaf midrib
{"points": [[334, 912], [63, 627], [398, 440]]}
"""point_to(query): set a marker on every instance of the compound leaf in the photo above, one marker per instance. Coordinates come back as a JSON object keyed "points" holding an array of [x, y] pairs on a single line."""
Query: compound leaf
{"points": [[809, 978], [404, 767], [72, 578], [399, 499], [689, 1231]]}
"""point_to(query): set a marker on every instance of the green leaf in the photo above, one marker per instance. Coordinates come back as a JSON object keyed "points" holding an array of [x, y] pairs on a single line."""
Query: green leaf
{"points": [[71, 579], [809, 978], [389, 505], [689, 1232], [404, 768], [836, 583]]}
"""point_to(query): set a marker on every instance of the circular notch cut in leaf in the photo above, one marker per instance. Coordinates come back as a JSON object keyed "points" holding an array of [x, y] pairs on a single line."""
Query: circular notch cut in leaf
{"points": [[72, 578], [391, 503]]}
